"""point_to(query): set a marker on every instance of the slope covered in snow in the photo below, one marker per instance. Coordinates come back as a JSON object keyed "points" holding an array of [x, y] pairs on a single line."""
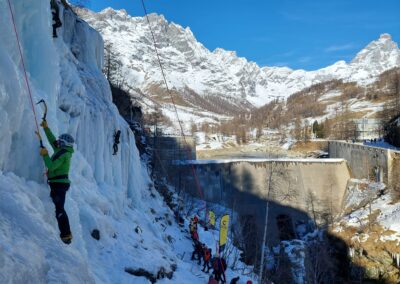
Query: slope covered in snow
{"points": [[112, 194], [220, 73]]}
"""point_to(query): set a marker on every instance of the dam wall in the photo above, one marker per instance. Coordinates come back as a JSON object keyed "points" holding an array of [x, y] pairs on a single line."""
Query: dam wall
{"points": [[368, 162], [298, 190]]}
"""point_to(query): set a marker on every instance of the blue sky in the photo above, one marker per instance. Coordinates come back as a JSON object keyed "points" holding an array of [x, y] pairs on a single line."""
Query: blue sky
{"points": [[307, 34]]}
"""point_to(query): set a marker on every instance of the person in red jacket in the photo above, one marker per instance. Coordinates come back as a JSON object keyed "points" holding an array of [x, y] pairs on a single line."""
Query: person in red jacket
{"points": [[219, 266], [207, 258], [212, 280]]}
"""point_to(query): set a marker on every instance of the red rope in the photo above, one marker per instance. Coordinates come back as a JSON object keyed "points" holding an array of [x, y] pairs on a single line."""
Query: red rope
{"points": [[175, 108], [23, 65], [183, 134]]}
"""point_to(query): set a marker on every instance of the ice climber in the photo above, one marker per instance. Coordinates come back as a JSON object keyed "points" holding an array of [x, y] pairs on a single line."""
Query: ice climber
{"points": [[55, 12], [207, 258], [193, 224], [197, 251], [219, 266], [117, 134], [57, 174]]}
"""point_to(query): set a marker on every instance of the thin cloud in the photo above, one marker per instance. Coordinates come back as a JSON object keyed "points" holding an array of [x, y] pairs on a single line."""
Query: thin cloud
{"points": [[287, 54], [343, 47], [305, 59]]}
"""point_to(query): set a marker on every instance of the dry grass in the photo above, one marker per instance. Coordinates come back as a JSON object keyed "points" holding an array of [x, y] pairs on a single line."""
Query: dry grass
{"points": [[371, 253], [160, 94], [309, 146], [360, 114]]}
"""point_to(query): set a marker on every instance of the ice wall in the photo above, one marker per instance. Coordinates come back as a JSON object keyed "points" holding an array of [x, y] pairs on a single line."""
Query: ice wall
{"points": [[66, 72], [107, 192]]}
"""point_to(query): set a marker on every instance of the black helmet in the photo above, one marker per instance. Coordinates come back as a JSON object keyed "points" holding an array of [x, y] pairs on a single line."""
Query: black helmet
{"points": [[66, 140]]}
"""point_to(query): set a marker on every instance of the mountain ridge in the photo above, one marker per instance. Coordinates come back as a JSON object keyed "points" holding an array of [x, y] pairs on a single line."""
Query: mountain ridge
{"points": [[221, 74]]}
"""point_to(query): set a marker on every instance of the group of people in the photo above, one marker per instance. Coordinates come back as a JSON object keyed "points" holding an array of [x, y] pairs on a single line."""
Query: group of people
{"points": [[202, 252], [373, 140]]}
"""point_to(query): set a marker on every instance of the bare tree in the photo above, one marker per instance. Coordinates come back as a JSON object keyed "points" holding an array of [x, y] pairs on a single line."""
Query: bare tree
{"points": [[319, 265]]}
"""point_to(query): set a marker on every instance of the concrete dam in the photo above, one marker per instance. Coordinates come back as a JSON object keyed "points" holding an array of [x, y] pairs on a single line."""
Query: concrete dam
{"points": [[299, 190]]}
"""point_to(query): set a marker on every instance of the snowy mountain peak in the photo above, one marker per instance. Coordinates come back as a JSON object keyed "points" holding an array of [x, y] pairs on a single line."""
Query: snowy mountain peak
{"points": [[111, 13], [385, 36], [205, 79], [379, 53]]}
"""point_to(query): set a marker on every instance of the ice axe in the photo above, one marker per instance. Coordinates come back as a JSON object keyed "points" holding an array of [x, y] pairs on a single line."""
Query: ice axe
{"points": [[45, 108], [43, 118]]}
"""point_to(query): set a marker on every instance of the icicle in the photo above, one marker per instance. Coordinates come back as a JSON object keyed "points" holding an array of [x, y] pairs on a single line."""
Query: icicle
{"points": [[351, 252]]}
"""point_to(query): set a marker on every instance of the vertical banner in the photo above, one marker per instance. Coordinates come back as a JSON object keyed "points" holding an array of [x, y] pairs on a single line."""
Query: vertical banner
{"points": [[211, 217], [223, 232]]}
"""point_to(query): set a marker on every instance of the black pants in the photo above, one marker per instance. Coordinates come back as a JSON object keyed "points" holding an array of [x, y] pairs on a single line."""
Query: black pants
{"points": [[207, 265], [219, 276], [57, 24], [115, 148], [57, 194], [198, 254]]}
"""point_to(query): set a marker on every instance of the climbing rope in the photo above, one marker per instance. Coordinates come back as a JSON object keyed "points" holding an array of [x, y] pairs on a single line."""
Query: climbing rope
{"points": [[182, 132], [175, 108], [25, 74]]}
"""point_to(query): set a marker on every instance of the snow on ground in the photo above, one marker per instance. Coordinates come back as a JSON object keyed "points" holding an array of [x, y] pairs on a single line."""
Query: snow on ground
{"points": [[363, 193], [289, 142], [287, 160], [330, 95], [214, 141], [211, 238], [372, 108], [188, 116], [113, 194]]}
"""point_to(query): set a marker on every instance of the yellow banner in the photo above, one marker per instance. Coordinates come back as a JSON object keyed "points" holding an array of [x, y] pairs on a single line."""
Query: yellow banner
{"points": [[223, 230], [211, 217]]}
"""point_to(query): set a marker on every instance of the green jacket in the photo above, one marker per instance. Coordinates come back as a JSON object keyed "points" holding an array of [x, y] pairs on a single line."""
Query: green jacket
{"points": [[60, 161]]}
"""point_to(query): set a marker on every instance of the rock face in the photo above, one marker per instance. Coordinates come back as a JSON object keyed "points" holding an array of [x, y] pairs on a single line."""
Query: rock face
{"points": [[370, 231]]}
